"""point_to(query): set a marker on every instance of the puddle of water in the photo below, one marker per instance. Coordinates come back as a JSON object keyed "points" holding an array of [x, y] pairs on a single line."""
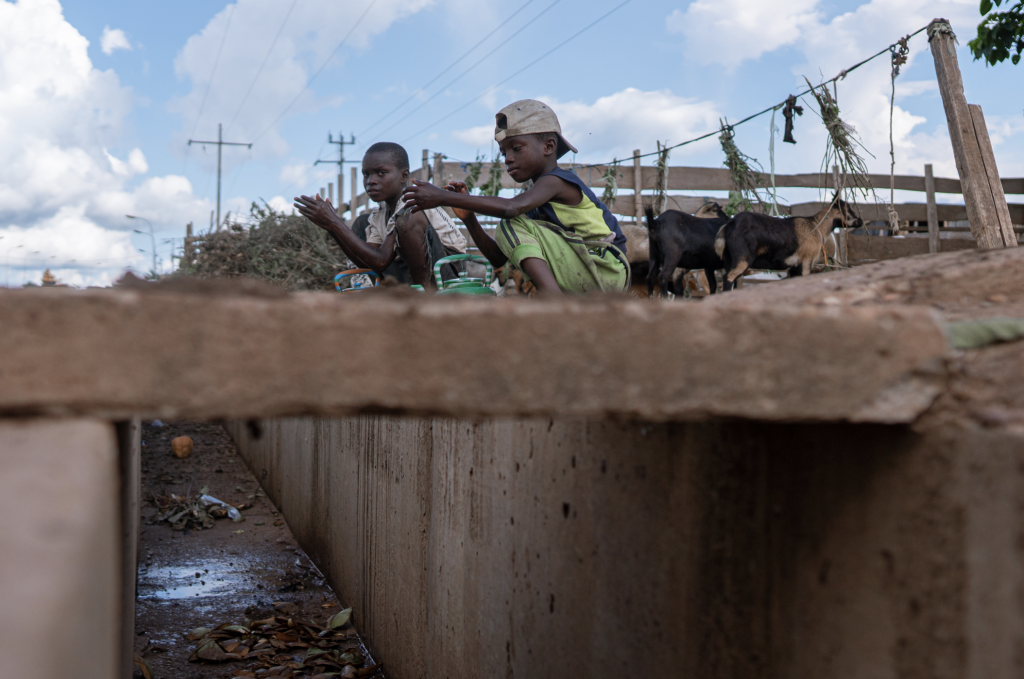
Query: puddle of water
{"points": [[216, 578]]}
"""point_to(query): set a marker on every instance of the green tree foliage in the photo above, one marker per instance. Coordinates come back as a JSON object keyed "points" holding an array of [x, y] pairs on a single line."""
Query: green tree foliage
{"points": [[1000, 34]]}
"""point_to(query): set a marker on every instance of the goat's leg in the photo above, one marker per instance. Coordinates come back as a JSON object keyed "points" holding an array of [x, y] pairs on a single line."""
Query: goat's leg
{"points": [[740, 268], [652, 275], [668, 268], [712, 282]]}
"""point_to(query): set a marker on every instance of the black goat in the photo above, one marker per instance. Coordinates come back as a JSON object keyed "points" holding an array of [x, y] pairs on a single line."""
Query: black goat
{"points": [[756, 241], [679, 240]]}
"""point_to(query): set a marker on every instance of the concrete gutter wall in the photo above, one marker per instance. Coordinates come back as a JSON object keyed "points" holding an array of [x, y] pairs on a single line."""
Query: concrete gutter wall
{"points": [[590, 548], [69, 539]]}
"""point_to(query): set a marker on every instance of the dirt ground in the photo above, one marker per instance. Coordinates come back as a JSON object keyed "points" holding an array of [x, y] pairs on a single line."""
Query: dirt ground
{"points": [[231, 573]]}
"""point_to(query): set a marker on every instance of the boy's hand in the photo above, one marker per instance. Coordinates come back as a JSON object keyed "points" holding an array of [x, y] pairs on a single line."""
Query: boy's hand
{"points": [[317, 210], [423, 196], [460, 187]]}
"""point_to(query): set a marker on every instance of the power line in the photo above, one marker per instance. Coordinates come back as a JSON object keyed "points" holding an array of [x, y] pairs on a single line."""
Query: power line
{"points": [[265, 60], [322, 67], [216, 61], [479, 61], [842, 74], [450, 67], [553, 49]]}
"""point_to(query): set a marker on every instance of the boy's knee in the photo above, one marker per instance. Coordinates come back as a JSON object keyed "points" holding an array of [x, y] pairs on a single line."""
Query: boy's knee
{"points": [[406, 226]]}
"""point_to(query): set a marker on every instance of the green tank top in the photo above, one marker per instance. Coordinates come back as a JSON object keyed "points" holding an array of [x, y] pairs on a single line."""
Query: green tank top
{"points": [[585, 219], [590, 219]]}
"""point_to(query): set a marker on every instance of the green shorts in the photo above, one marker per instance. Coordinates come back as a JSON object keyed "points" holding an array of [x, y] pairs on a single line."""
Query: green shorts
{"points": [[578, 265]]}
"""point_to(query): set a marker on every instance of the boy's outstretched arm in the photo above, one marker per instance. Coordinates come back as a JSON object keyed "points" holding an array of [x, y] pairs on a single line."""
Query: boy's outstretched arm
{"points": [[488, 248], [423, 196], [363, 254]]}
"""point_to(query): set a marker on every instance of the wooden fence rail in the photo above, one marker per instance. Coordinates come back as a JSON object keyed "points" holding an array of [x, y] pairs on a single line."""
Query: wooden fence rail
{"points": [[717, 179]]}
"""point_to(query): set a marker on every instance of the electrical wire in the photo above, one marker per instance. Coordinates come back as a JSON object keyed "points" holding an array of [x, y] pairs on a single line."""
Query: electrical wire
{"points": [[206, 94], [842, 74], [318, 71], [265, 60], [541, 57], [479, 61], [450, 67]]}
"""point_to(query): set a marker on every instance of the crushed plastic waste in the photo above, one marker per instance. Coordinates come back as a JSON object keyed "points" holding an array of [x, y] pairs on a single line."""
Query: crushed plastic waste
{"points": [[194, 512]]}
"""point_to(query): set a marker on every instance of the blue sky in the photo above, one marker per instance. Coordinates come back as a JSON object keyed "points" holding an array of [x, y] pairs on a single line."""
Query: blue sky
{"points": [[98, 98]]}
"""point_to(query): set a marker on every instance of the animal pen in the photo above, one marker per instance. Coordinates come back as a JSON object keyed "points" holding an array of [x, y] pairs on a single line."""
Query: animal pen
{"points": [[819, 478]]}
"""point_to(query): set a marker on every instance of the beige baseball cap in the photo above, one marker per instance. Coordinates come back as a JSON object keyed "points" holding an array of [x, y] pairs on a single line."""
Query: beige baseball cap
{"points": [[530, 116]]}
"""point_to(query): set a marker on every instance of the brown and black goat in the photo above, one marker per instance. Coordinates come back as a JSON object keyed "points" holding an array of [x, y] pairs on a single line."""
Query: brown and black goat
{"points": [[757, 241], [684, 241]]}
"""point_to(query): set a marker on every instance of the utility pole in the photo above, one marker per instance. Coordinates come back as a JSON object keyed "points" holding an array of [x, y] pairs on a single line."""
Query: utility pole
{"points": [[220, 144], [340, 161]]}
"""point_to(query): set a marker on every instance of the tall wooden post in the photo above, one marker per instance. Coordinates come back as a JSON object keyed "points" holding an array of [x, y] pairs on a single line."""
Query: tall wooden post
{"points": [[933, 210], [438, 169], [354, 205], [341, 191], [638, 203], [189, 256], [995, 184], [426, 165], [971, 146], [330, 193]]}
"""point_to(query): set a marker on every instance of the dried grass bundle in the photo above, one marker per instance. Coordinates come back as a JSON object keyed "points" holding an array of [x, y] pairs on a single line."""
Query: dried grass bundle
{"points": [[741, 170], [611, 183], [661, 195], [842, 147]]}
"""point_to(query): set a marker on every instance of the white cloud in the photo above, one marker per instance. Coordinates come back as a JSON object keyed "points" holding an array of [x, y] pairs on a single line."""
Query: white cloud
{"points": [[65, 185], [247, 29], [476, 136], [114, 39], [732, 31], [281, 204], [296, 174], [618, 123], [864, 94]]}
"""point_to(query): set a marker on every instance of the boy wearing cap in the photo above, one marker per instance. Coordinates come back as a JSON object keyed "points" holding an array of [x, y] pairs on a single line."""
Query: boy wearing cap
{"points": [[557, 232]]}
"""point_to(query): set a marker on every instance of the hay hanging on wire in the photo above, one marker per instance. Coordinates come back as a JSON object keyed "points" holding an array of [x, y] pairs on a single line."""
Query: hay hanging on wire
{"points": [[287, 250], [899, 52], [493, 185], [611, 183], [660, 196], [742, 173], [473, 171], [841, 147]]}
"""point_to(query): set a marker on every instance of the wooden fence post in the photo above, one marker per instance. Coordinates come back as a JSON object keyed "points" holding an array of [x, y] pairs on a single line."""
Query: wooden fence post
{"points": [[354, 205], [965, 133], [330, 193], [438, 169], [995, 185], [933, 210], [638, 204], [189, 255], [341, 191], [426, 165]]}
